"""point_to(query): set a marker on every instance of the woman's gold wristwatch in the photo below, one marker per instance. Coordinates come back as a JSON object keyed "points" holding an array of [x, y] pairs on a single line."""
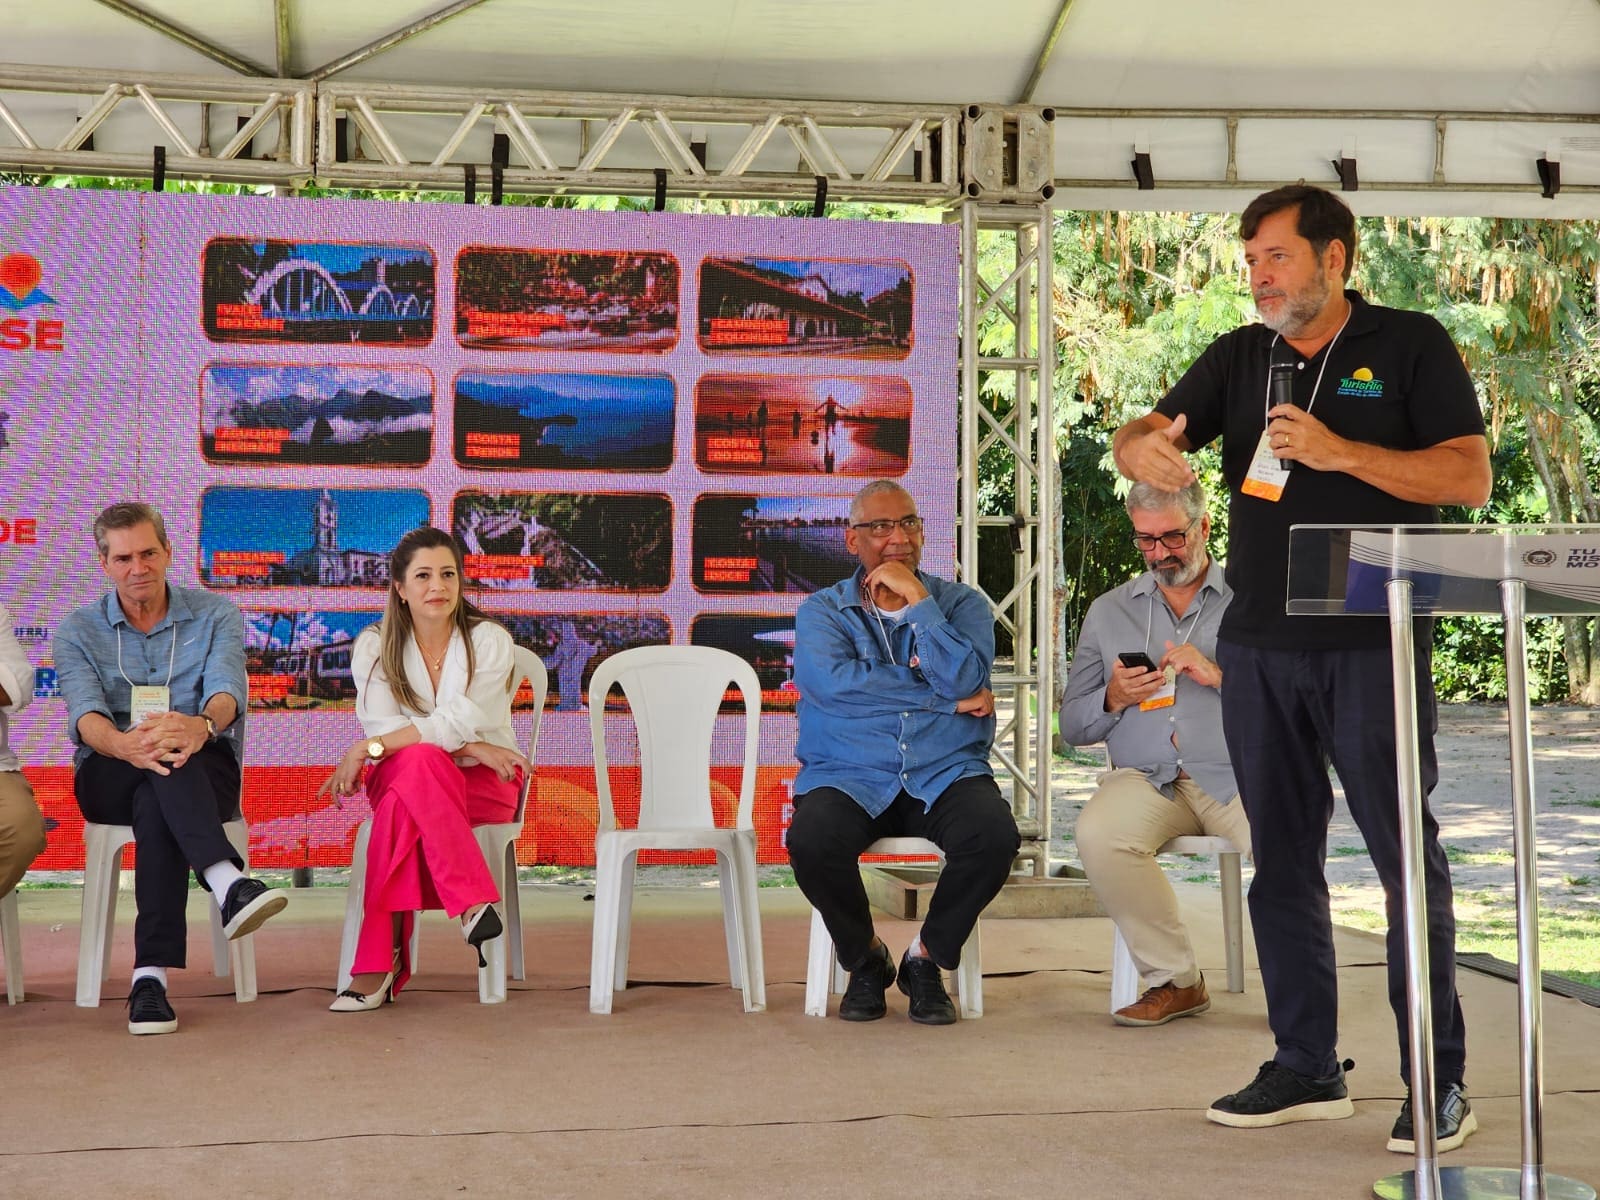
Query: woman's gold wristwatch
{"points": [[375, 749]]}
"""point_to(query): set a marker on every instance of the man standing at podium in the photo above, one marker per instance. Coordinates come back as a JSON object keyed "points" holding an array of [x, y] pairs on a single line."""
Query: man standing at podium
{"points": [[1384, 425]]}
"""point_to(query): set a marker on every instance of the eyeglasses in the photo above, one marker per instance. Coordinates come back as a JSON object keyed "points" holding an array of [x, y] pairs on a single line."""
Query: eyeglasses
{"points": [[1172, 539], [882, 529]]}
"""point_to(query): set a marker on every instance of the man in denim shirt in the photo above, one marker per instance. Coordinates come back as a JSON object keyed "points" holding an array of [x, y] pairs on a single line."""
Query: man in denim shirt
{"points": [[896, 721], [154, 680]]}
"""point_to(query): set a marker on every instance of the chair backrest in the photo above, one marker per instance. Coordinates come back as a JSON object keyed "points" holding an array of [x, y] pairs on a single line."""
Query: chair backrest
{"points": [[525, 664], [674, 694]]}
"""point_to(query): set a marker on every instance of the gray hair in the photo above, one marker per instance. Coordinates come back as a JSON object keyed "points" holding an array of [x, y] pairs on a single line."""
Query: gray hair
{"points": [[875, 488], [128, 515], [1146, 497]]}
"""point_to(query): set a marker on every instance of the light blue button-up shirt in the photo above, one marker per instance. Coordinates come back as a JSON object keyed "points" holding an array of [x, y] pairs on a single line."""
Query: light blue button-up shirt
{"points": [[878, 702], [202, 637]]}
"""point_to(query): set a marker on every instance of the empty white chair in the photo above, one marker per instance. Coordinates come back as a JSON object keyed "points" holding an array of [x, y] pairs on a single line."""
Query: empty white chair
{"points": [[674, 694], [11, 940], [824, 975], [1125, 975], [499, 845], [102, 867]]}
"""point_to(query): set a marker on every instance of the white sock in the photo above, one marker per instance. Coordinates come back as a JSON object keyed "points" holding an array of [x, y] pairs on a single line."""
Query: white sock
{"points": [[220, 876], [159, 974], [915, 950]]}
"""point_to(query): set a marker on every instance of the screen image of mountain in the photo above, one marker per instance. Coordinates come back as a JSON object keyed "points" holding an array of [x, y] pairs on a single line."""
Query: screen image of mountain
{"points": [[316, 415], [556, 420]]}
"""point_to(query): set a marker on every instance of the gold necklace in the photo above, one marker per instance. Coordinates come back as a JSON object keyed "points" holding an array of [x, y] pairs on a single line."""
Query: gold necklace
{"points": [[436, 664]]}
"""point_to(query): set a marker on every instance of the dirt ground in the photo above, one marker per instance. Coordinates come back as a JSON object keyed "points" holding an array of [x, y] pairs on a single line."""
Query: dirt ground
{"points": [[1472, 804]]}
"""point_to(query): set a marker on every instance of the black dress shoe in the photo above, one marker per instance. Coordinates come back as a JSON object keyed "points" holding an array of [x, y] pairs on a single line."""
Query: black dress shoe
{"points": [[923, 981], [863, 995]]}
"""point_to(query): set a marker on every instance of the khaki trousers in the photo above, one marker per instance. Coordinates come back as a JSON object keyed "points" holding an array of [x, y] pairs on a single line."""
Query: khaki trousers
{"points": [[1119, 831], [21, 828]]}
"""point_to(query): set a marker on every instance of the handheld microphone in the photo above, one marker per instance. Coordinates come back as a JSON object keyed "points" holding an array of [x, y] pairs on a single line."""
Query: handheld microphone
{"points": [[1280, 390]]}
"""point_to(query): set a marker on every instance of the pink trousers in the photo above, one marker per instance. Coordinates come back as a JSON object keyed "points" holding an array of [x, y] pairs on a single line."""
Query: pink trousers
{"points": [[422, 853]]}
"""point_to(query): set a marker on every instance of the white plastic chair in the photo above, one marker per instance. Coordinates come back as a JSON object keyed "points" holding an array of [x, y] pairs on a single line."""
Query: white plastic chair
{"points": [[674, 693], [1125, 975], [102, 868], [824, 975], [11, 941], [498, 842]]}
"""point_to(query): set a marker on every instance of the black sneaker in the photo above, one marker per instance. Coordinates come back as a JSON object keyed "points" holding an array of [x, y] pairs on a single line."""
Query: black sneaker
{"points": [[923, 981], [863, 995], [148, 1010], [1279, 1096], [249, 903], [1454, 1122]]}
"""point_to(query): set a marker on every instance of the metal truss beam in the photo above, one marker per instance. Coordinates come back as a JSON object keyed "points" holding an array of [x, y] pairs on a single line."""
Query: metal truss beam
{"points": [[184, 38], [392, 39], [615, 144], [173, 111], [1418, 130], [1007, 414]]}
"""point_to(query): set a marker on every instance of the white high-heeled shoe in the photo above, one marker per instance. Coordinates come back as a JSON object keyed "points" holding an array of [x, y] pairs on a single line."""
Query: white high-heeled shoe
{"points": [[354, 1001]]}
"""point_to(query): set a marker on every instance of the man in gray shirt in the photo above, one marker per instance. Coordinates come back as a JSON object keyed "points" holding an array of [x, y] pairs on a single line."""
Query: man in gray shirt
{"points": [[154, 680], [1161, 722]]}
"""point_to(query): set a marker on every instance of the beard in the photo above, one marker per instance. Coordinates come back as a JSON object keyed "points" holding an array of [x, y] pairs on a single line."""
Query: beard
{"points": [[1299, 308], [1180, 572]]}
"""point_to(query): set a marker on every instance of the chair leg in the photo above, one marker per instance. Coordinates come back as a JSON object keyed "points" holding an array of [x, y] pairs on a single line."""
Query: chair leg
{"points": [[1232, 918], [727, 887], [820, 961], [603, 950], [239, 955], [511, 894], [969, 976], [11, 937], [627, 876], [1124, 974], [101, 868], [492, 978], [354, 902], [747, 906]]}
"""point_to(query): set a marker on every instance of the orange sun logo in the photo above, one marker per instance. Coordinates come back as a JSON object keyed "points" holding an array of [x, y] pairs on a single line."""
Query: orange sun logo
{"points": [[19, 281]]}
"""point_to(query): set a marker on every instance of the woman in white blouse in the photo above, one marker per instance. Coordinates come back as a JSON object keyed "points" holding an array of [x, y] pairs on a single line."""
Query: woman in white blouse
{"points": [[433, 695]]}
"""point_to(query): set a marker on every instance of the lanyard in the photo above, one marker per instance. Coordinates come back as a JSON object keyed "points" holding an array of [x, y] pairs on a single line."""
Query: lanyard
{"points": [[172, 656], [1149, 620], [1266, 404], [883, 632]]}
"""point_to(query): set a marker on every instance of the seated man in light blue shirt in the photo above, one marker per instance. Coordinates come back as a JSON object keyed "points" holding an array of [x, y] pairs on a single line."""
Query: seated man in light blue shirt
{"points": [[896, 721], [154, 680], [1162, 727]]}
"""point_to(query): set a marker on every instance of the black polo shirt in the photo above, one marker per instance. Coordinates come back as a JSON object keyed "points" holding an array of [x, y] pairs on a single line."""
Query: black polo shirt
{"points": [[1394, 379]]}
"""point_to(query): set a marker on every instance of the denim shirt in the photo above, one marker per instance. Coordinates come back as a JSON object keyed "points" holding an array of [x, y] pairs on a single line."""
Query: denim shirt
{"points": [[202, 636], [877, 704]]}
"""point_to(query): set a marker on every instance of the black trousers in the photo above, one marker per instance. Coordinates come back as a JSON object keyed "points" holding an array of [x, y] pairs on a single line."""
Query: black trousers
{"points": [[177, 825], [970, 822], [1286, 715]]}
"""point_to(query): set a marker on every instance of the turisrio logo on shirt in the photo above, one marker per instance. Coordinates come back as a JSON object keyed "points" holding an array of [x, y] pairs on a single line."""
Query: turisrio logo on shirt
{"points": [[1361, 383]]}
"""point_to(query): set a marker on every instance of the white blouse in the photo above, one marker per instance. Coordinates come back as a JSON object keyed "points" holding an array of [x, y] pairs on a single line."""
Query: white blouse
{"points": [[458, 713]]}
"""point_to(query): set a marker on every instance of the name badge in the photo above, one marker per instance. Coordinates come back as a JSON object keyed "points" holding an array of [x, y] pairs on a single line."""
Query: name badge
{"points": [[149, 700], [1165, 696], [1265, 478]]}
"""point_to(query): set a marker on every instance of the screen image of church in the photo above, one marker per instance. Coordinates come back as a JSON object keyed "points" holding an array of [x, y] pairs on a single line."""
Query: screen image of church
{"points": [[324, 564]]}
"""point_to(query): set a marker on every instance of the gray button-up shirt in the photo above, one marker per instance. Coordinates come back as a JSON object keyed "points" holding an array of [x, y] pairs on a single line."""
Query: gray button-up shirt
{"points": [[202, 637], [1135, 616]]}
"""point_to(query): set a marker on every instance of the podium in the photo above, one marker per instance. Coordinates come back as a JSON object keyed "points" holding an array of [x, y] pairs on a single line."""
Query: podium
{"points": [[1407, 571]]}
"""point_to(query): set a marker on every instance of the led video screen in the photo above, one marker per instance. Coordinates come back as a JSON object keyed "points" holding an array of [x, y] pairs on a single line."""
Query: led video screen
{"points": [[645, 428]]}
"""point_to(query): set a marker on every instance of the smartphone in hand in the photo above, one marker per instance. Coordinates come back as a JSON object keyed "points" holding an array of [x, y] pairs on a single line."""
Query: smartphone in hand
{"points": [[1137, 658]]}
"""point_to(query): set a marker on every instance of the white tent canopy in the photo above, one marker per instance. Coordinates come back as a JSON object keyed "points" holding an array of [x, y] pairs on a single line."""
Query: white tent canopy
{"points": [[1443, 106]]}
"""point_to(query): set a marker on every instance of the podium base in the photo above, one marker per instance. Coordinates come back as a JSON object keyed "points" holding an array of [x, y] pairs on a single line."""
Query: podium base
{"points": [[1484, 1183]]}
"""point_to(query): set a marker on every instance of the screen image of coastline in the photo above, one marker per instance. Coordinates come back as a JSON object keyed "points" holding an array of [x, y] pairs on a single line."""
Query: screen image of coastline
{"points": [[354, 416], [282, 291], [644, 428], [598, 422], [567, 300], [814, 424], [854, 308], [770, 543]]}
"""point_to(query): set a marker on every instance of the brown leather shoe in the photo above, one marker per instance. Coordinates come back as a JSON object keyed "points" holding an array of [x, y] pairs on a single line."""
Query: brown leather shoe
{"points": [[1165, 1003]]}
